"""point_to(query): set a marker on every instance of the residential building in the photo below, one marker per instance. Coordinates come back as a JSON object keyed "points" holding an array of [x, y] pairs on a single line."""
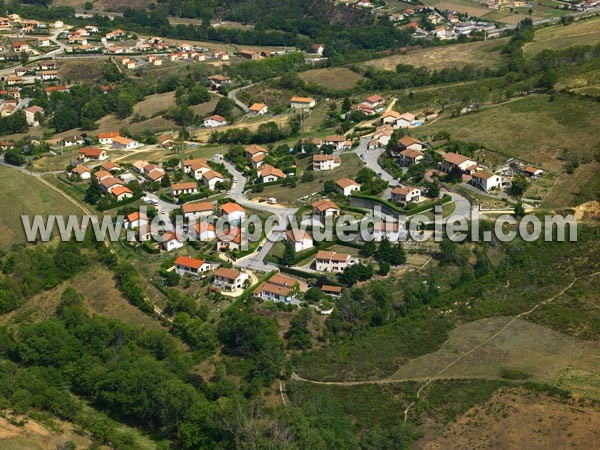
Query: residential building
{"points": [[346, 186], [196, 210], [186, 265], [171, 242], [268, 173], [325, 162], [110, 166], [32, 113], [91, 153], [334, 291], [205, 231], [318, 49], [486, 180], [258, 109], [409, 157], [229, 280], [255, 150], [82, 172], [110, 183], [214, 121], [121, 193], [532, 171], [178, 189], [211, 178], [454, 160], [301, 239], [405, 120], [153, 172], [392, 231], [410, 143], [234, 212], [279, 288], [107, 138], [339, 142], [102, 175], [302, 102], [325, 208], [328, 261], [406, 194], [125, 143], [135, 220], [374, 100]]}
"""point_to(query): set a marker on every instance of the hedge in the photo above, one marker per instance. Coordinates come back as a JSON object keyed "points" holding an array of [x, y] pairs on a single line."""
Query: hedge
{"points": [[298, 272], [191, 197], [118, 204], [167, 197], [272, 183], [423, 207]]}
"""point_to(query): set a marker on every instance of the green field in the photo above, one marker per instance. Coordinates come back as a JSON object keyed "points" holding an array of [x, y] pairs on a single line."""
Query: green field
{"points": [[23, 194], [584, 32]]}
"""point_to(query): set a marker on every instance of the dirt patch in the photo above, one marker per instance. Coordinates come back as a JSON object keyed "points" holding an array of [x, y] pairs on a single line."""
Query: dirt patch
{"points": [[474, 11], [516, 419], [75, 71], [155, 103], [33, 435], [588, 209]]}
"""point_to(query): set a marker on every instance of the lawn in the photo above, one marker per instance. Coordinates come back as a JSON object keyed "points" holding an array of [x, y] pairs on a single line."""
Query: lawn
{"points": [[83, 70], [476, 53], [23, 194], [290, 195], [277, 99], [154, 104], [337, 78], [584, 32]]}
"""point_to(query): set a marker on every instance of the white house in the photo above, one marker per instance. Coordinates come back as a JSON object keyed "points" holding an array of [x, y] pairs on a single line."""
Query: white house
{"points": [[121, 193], [392, 231], [410, 143], [107, 138], [258, 109], [454, 160], [302, 102], [301, 239], [229, 280], [211, 178], [325, 208], [373, 100], [135, 220], [121, 142], [254, 150], [268, 173], [339, 142], [194, 211], [328, 261], [405, 120], [325, 162], [214, 121], [91, 153], [178, 189], [409, 157], [171, 242], [486, 180], [318, 48], [82, 172], [406, 194], [205, 231], [532, 171], [31, 114], [195, 167], [234, 212], [186, 265], [346, 186], [279, 288]]}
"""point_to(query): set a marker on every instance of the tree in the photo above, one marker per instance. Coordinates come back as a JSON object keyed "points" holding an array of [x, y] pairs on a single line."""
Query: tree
{"points": [[346, 104], [124, 105], [384, 268], [368, 249], [298, 335], [519, 210], [15, 157], [225, 108], [547, 80], [93, 192], [198, 94], [166, 181], [289, 253], [329, 187], [391, 254], [519, 186], [433, 189], [314, 294], [24, 57]]}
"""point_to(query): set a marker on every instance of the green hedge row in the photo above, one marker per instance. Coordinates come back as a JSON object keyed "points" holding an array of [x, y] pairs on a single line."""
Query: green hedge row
{"points": [[118, 204]]}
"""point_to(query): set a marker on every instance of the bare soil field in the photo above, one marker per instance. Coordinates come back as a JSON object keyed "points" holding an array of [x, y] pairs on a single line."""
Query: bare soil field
{"points": [[203, 135], [470, 8], [476, 53], [338, 78], [515, 419]]}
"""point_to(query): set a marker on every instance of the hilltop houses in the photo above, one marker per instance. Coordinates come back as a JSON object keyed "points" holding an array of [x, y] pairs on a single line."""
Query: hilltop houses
{"points": [[258, 109], [214, 121], [91, 153], [268, 173], [186, 265], [300, 239], [325, 208], [486, 180], [405, 194], [346, 186], [457, 161], [229, 280]]}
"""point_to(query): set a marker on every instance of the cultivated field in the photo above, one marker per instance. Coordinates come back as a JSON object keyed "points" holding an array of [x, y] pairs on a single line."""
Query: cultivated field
{"points": [[585, 32], [477, 53], [23, 194], [338, 78]]}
